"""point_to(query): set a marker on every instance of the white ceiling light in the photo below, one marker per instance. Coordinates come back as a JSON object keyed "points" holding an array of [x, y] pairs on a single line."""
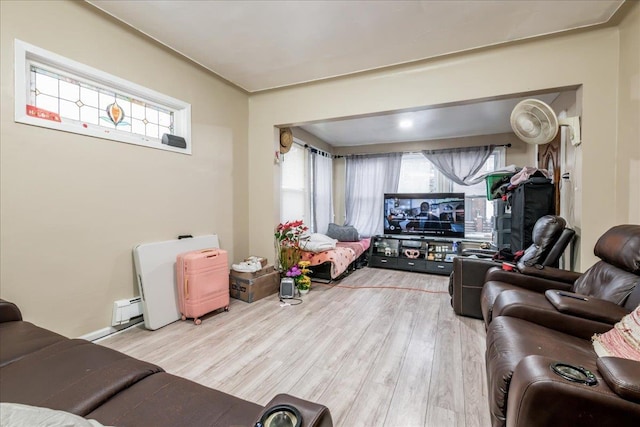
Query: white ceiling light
{"points": [[406, 124]]}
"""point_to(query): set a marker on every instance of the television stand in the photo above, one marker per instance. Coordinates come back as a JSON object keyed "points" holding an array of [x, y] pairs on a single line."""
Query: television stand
{"points": [[420, 254]]}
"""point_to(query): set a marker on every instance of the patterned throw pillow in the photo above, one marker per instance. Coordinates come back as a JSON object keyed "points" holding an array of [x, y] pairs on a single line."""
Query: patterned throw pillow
{"points": [[621, 341]]}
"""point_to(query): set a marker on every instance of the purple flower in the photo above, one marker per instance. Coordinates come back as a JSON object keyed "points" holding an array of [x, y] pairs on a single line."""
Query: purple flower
{"points": [[294, 271]]}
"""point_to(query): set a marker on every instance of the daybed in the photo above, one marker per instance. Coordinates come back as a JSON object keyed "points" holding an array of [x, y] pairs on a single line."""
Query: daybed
{"points": [[336, 263], [45, 370]]}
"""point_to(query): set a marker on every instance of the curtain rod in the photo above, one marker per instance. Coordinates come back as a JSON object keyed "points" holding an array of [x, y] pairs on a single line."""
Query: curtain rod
{"points": [[320, 152], [336, 156], [409, 152]]}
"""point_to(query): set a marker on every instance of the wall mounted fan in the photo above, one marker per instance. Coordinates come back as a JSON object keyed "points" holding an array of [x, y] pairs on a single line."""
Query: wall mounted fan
{"points": [[535, 122]]}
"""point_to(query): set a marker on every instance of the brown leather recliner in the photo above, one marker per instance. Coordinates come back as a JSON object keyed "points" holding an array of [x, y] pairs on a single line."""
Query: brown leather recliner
{"points": [[608, 283], [524, 391], [536, 321], [550, 238]]}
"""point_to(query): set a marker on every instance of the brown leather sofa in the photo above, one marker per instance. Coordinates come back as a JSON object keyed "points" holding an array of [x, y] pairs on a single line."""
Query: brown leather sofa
{"points": [[525, 392], [611, 279], [535, 322], [41, 368]]}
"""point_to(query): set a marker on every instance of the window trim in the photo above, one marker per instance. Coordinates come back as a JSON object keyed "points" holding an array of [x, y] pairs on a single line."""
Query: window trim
{"points": [[26, 53]]}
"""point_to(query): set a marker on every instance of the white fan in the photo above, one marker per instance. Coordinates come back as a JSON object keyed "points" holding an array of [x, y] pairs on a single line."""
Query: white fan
{"points": [[536, 123]]}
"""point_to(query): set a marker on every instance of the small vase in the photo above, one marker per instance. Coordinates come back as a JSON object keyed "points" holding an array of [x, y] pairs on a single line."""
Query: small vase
{"points": [[303, 291]]}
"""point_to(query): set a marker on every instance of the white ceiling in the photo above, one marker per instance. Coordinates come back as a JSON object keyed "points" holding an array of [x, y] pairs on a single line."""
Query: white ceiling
{"points": [[259, 45], [481, 118]]}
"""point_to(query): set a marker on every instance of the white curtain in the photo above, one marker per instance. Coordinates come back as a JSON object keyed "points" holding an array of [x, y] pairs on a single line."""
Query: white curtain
{"points": [[368, 178], [322, 191], [460, 164]]}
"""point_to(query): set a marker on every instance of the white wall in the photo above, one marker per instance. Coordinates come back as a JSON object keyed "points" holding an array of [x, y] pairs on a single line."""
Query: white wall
{"points": [[589, 59], [73, 207]]}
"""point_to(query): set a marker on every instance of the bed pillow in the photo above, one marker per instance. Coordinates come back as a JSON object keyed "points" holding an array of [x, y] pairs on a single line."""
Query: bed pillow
{"points": [[343, 233], [621, 341], [318, 243]]}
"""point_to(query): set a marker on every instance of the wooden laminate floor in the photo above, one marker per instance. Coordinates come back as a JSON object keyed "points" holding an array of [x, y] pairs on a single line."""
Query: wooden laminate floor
{"points": [[375, 357]]}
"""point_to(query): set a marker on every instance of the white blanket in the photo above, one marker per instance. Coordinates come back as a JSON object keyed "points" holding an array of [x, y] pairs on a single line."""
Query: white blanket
{"points": [[318, 243]]}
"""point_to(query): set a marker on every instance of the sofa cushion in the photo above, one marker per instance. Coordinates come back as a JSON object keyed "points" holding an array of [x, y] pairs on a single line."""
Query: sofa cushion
{"points": [[623, 340], [19, 339], [509, 340], [173, 401], [72, 375]]}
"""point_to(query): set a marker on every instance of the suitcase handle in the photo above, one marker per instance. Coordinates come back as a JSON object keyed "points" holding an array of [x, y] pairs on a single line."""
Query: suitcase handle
{"points": [[211, 250], [186, 288]]}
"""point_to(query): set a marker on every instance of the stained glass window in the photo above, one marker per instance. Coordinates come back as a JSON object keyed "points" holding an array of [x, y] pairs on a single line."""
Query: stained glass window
{"points": [[75, 100], [58, 93]]}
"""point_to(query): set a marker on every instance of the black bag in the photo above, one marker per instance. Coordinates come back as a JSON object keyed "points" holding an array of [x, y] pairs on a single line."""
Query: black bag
{"points": [[531, 200]]}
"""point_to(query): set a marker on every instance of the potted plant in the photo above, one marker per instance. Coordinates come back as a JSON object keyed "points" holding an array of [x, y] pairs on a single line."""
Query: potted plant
{"points": [[300, 274], [287, 239]]}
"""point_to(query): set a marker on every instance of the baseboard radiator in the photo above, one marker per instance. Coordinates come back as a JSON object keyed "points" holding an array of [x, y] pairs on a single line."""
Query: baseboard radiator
{"points": [[126, 309]]}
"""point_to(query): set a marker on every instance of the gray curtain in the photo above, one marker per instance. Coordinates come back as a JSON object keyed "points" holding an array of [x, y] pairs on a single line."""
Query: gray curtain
{"points": [[460, 165], [368, 178]]}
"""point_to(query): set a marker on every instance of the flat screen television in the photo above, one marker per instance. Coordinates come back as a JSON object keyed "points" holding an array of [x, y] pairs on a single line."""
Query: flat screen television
{"points": [[424, 214]]}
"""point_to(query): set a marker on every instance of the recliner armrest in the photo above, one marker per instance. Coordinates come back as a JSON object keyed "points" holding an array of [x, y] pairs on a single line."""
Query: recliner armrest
{"points": [[467, 282], [9, 312], [313, 414], [586, 307], [535, 308], [622, 376], [540, 398], [482, 253], [551, 273]]}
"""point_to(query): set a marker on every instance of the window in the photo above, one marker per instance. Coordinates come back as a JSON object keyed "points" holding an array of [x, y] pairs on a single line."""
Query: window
{"points": [[417, 175], [294, 199], [58, 93]]}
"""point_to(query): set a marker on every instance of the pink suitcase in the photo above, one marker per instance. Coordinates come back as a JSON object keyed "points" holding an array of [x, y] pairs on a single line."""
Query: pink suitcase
{"points": [[202, 278]]}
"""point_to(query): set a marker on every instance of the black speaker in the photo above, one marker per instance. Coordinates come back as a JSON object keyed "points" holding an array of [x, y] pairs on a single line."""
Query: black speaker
{"points": [[287, 287], [174, 141]]}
